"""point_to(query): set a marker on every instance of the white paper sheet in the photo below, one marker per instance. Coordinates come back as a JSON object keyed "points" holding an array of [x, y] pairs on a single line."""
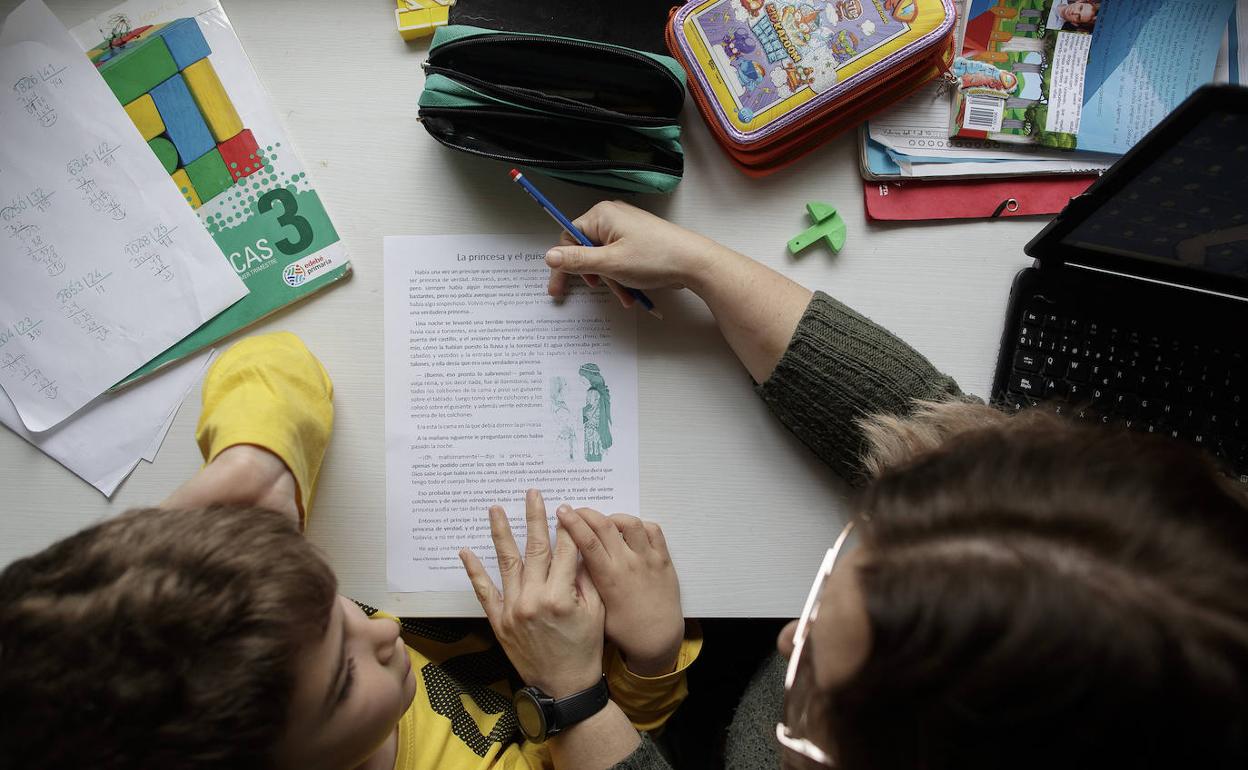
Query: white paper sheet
{"points": [[491, 389], [103, 443], [105, 263], [1232, 62], [919, 126]]}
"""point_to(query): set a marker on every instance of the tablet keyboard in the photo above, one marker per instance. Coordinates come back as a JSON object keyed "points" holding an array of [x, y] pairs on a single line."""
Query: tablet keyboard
{"points": [[1143, 379]]}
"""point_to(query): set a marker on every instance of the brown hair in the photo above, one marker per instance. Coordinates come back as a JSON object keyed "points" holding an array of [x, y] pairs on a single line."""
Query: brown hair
{"points": [[1043, 594], [160, 638]]}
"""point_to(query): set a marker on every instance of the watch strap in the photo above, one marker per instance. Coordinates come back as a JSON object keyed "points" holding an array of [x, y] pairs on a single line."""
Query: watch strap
{"points": [[562, 713]]}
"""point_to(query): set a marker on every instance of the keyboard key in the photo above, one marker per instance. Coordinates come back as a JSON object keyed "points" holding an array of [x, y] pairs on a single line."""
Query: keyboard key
{"points": [[1077, 371], [1055, 388], [1055, 365], [1078, 392], [1025, 385], [1032, 317], [1054, 321], [1026, 362]]}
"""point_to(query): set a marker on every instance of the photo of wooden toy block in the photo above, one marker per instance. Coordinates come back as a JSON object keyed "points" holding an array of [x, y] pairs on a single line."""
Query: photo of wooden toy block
{"points": [[163, 76], [184, 123], [241, 155], [209, 174], [185, 41], [134, 71], [165, 152], [145, 115], [186, 188], [213, 102], [419, 18]]}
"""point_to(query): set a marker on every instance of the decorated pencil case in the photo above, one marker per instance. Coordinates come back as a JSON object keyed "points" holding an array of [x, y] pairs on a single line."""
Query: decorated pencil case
{"points": [[586, 112], [775, 79]]}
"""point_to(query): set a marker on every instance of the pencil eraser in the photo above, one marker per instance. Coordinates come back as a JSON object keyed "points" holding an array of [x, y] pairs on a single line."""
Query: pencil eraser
{"points": [[514, 174]]}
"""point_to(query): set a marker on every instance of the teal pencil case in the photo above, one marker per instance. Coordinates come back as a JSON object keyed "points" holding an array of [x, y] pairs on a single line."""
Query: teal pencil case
{"points": [[585, 112]]}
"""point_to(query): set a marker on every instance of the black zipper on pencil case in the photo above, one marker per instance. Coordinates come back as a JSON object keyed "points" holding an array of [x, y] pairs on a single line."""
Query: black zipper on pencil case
{"points": [[557, 165], [556, 104], [512, 37]]}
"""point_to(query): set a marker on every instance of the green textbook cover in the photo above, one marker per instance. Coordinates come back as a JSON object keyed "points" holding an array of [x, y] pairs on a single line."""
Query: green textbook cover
{"points": [[227, 155]]}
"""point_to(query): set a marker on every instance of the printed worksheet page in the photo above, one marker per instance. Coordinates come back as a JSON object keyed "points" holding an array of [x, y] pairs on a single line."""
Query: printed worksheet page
{"points": [[493, 388]]}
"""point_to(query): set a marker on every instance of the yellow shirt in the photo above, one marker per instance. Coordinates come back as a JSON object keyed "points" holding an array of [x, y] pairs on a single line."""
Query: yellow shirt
{"points": [[271, 392], [462, 719]]}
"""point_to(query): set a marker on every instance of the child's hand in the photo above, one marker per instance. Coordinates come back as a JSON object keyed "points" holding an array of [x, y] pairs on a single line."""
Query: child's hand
{"points": [[548, 619], [633, 572], [638, 250]]}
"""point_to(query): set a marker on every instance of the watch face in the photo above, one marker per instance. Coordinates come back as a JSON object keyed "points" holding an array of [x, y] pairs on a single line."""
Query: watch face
{"points": [[529, 713]]}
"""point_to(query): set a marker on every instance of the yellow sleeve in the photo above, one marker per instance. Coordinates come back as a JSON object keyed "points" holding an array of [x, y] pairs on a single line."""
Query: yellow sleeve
{"points": [[650, 701], [271, 392]]}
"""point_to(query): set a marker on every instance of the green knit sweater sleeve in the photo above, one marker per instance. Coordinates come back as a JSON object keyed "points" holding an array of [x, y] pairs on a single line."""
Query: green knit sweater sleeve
{"points": [[840, 367], [645, 757]]}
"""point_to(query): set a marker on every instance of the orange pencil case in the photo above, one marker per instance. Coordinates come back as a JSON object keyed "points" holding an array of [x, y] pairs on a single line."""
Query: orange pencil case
{"points": [[774, 80]]}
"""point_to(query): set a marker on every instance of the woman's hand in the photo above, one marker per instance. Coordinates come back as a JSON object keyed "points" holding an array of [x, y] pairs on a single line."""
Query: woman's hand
{"points": [[638, 250], [548, 618], [633, 572]]}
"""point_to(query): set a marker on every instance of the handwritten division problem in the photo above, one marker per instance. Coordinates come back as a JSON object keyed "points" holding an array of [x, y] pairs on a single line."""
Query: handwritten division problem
{"points": [[105, 266]]}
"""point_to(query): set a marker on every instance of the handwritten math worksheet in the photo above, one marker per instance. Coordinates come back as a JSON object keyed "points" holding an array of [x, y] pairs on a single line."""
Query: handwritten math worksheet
{"points": [[493, 388], [104, 265]]}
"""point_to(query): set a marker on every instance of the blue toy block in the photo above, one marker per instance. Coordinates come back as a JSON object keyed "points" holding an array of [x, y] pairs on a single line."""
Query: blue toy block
{"points": [[183, 122], [185, 41]]}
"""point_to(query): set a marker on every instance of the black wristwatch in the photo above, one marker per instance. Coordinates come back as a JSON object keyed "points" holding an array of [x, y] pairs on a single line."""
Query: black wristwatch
{"points": [[542, 716]]}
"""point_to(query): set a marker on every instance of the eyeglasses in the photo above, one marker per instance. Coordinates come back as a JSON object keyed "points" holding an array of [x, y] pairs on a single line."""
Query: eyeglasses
{"points": [[805, 709]]}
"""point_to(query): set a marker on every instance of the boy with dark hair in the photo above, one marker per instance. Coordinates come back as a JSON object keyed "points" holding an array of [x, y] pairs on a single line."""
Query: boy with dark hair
{"points": [[209, 634]]}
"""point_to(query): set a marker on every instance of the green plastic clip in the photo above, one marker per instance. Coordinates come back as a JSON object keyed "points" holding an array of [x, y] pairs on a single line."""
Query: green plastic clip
{"points": [[828, 225]]}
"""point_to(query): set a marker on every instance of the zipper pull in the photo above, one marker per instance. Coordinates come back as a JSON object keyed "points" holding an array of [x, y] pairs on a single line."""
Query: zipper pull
{"points": [[948, 81]]}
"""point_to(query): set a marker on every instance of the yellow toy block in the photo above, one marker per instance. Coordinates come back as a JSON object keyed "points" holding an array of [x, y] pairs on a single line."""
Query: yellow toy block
{"points": [[186, 188], [212, 100], [146, 117], [418, 18]]}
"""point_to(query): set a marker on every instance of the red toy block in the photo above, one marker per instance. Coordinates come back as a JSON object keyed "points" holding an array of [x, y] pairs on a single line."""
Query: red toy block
{"points": [[241, 155]]}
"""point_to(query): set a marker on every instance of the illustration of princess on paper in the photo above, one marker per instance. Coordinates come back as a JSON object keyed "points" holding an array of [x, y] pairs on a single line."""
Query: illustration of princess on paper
{"points": [[596, 414], [565, 438]]}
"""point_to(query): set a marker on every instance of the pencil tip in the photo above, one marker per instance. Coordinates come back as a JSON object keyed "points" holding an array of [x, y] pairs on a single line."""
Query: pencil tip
{"points": [[655, 312]]}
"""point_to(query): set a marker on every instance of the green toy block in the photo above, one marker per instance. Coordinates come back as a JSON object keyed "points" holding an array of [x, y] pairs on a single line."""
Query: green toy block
{"points": [[166, 152], [138, 69], [209, 175], [827, 225]]}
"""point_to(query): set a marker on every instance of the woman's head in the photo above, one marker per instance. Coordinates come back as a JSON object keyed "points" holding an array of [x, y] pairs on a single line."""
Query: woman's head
{"points": [[1034, 593]]}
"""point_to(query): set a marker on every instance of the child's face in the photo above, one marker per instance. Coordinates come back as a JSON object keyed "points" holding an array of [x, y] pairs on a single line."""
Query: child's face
{"points": [[352, 685], [1079, 13]]}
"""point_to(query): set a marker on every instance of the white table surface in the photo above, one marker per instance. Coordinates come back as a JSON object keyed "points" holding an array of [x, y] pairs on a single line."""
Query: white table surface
{"points": [[747, 509]]}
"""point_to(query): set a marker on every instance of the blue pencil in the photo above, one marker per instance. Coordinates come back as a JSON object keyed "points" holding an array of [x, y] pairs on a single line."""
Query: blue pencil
{"points": [[566, 224]]}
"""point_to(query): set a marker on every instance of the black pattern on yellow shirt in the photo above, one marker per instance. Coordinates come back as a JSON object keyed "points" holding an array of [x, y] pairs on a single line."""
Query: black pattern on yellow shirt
{"points": [[472, 674]]}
